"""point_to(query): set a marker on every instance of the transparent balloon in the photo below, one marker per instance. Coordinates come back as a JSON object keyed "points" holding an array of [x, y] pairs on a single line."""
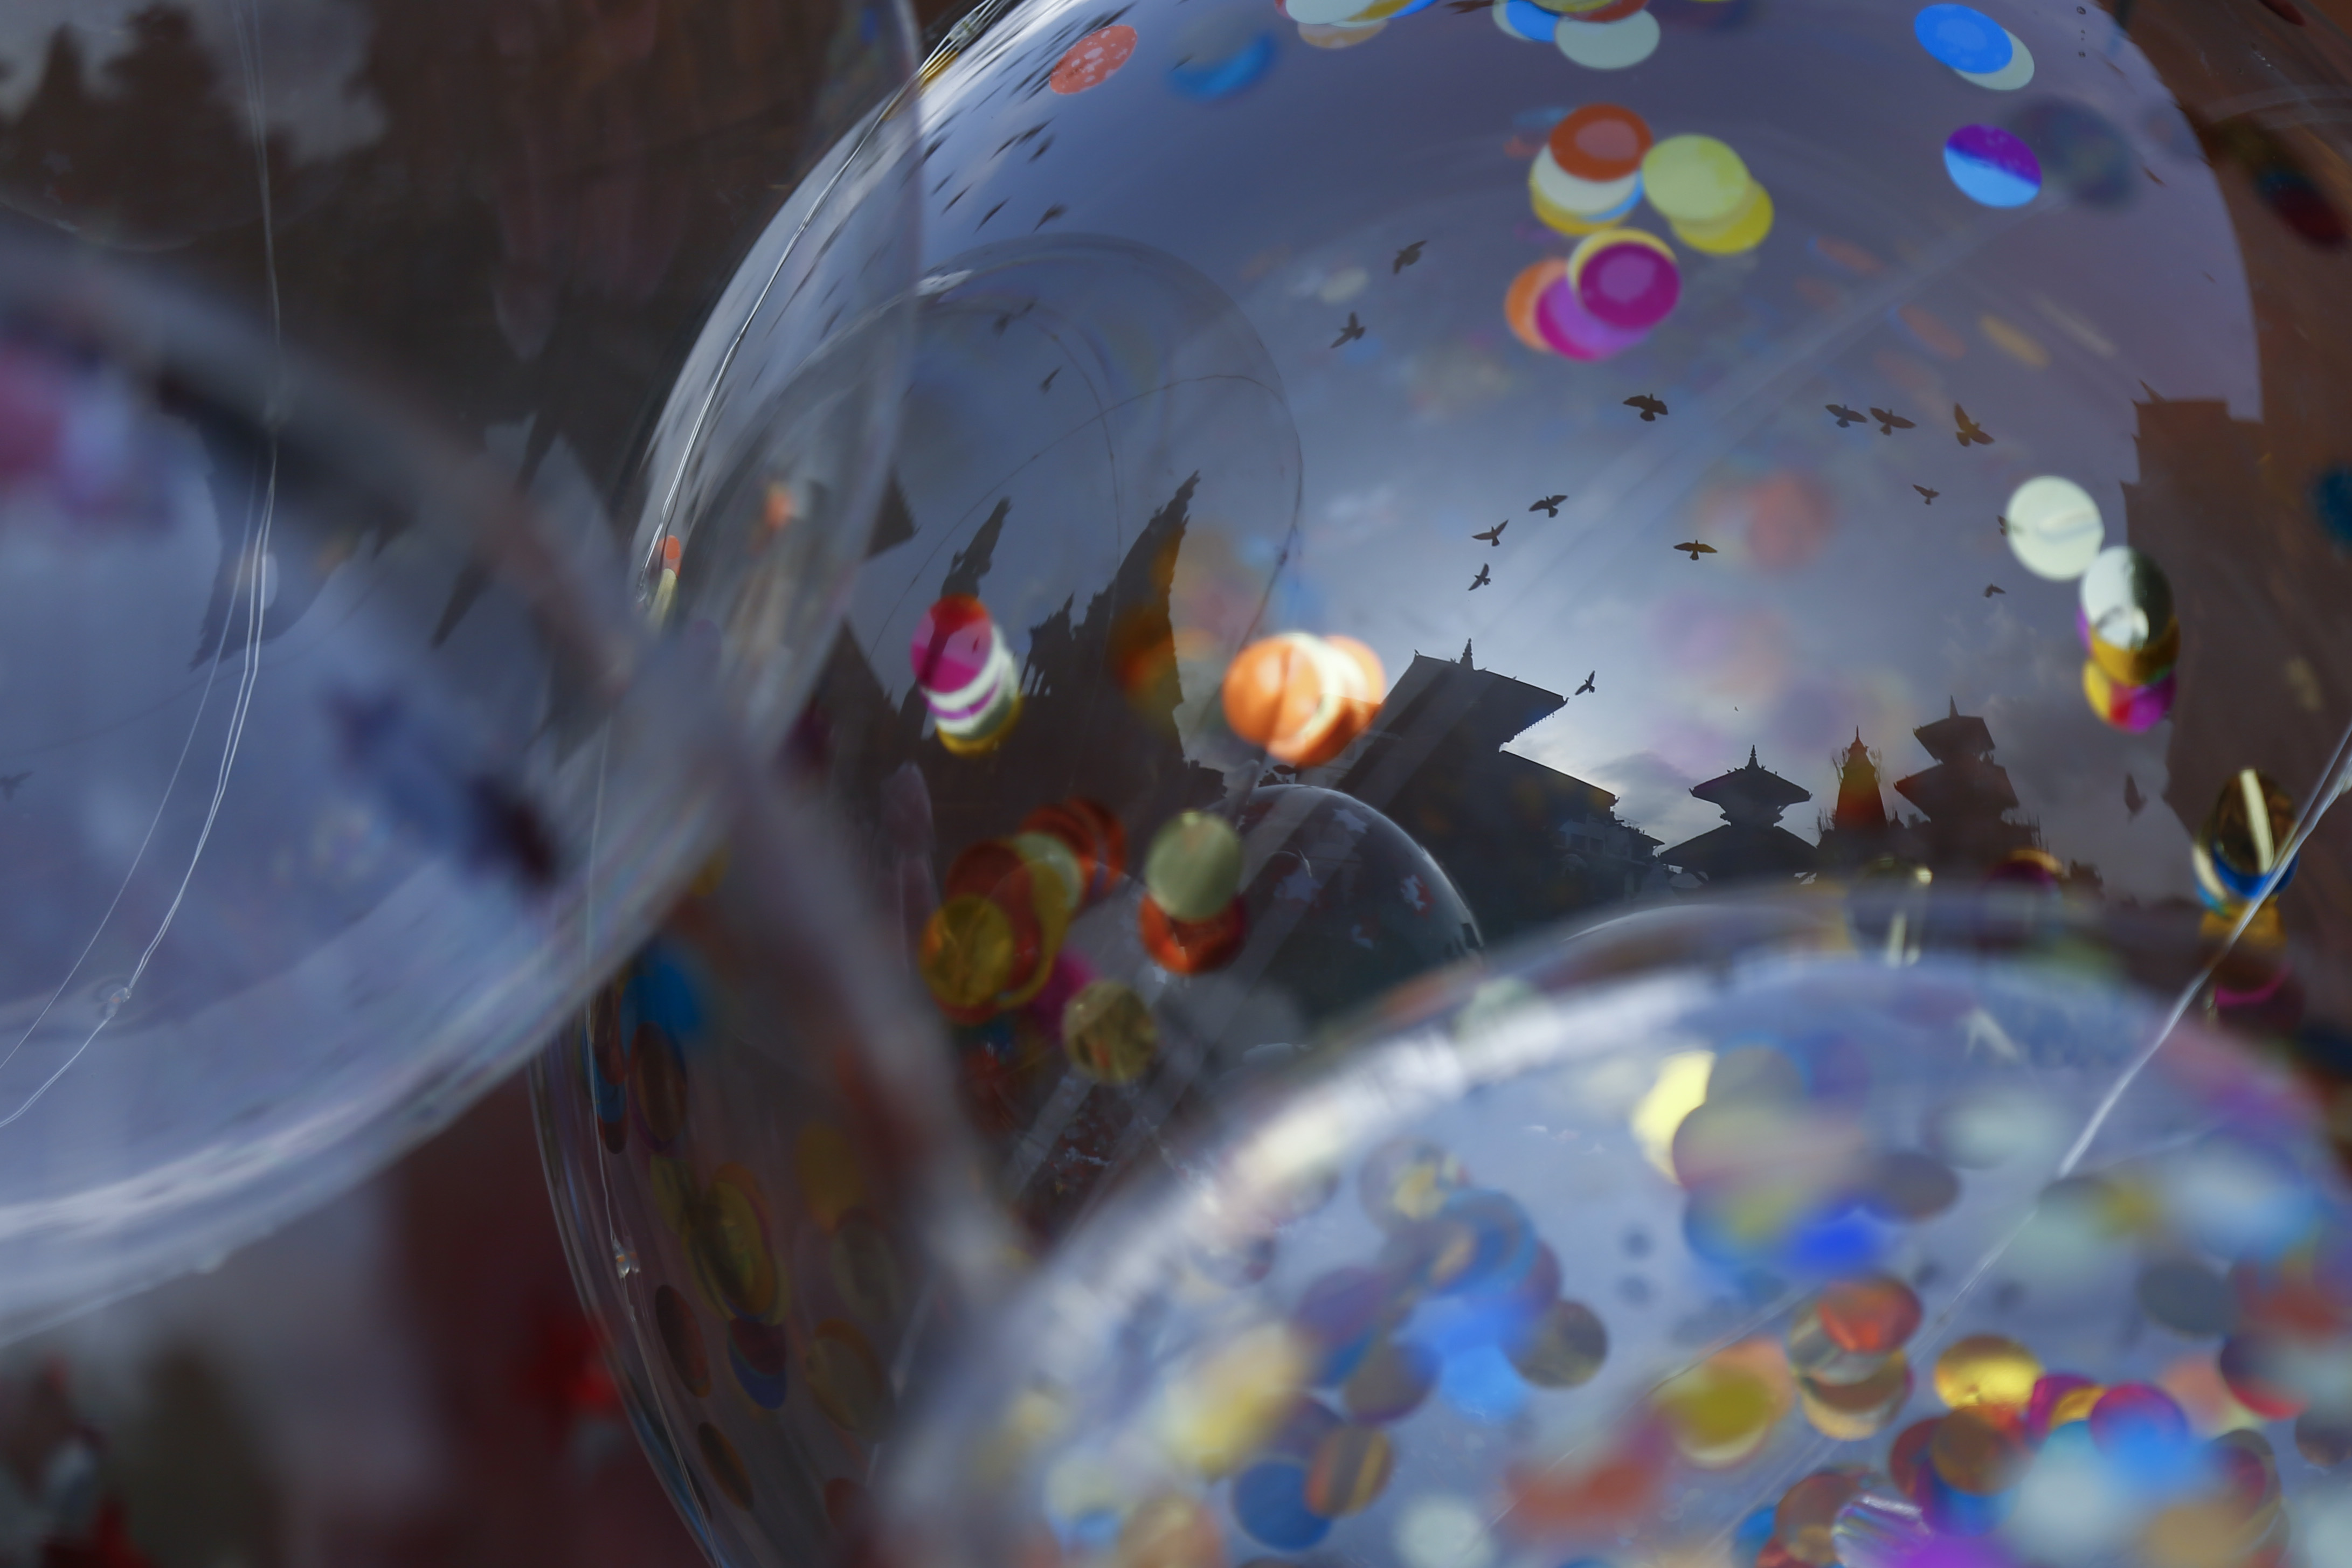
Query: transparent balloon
{"points": [[1618, 454], [291, 875], [1718, 1235]]}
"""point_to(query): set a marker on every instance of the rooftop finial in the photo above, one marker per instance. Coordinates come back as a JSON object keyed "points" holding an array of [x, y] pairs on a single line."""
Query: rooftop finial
{"points": [[1955, 705], [1465, 654], [1751, 757]]}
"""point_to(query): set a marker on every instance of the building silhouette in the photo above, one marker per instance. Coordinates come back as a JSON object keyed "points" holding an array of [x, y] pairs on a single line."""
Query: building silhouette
{"points": [[1751, 843], [1098, 705], [1859, 829], [2265, 678], [1524, 843], [1964, 799]]}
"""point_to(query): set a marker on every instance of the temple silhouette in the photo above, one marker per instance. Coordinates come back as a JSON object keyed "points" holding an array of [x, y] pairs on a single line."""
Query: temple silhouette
{"points": [[1966, 797], [1752, 844], [1859, 830], [1099, 708], [1964, 818], [1525, 844]]}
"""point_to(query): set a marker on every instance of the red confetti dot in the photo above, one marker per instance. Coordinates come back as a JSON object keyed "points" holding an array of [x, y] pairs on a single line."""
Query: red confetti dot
{"points": [[1094, 59]]}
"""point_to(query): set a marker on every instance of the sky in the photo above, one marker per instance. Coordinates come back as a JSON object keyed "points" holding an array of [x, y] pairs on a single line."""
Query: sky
{"points": [[1838, 598]]}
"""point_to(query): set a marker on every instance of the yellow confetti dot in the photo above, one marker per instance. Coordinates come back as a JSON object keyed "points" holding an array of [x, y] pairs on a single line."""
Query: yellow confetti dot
{"points": [[826, 1164], [1108, 1032], [1681, 1088], [2015, 342], [1720, 1411], [1215, 1416], [967, 951], [1986, 1369], [1694, 180]]}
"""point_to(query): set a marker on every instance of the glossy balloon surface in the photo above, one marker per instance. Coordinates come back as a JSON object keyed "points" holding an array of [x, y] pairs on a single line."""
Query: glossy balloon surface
{"points": [[1616, 455]]}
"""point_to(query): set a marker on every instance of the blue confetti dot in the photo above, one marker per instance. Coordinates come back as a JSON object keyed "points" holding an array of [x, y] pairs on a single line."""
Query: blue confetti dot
{"points": [[1270, 1503], [1481, 1384], [1964, 39], [1532, 22], [1748, 1542], [1993, 167], [1212, 79]]}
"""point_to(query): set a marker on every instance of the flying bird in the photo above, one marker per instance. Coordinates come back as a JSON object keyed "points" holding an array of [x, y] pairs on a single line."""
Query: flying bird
{"points": [[1651, 407], [1406, 257], [1055, 211], [1926, 494], [1993, 588], [1585, 687], [2133, 798], [11, 783], [1549, 506], [1845, 415], [1969, 430], [1889, 422], [1047, 384], [1482, 580], [1695, 549], [2003, 523], [1351, 333], [1494, 535]]}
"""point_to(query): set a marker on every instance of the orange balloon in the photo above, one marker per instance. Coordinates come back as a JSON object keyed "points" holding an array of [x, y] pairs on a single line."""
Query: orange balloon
{"points": [[1519, 300]]}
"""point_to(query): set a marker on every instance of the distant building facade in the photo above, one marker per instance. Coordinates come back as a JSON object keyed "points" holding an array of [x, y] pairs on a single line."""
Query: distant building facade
{"points": [[1524, 843]]}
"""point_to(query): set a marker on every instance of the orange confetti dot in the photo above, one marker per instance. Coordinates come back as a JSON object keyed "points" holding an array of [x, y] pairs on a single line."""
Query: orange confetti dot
{"points": [[1870, 1315]]}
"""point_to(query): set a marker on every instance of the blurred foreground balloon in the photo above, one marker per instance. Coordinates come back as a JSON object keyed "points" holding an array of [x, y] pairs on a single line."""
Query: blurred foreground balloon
{"points": [[293, 877], [1478, 1325]]}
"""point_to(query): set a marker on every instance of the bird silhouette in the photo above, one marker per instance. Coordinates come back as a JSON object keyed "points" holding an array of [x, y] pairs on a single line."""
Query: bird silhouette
{"points": [[1888, 421], [1351, 333], [1993, 588], [1845, 415], [1969, 430], [1549, 506], [2133, 798], [11, 783], [1055, 211], [1494, 535], [1406, 257], [2002, 522], [1926, 494], [1047, 384], [1695, 549], [1587, 687], [1651, 407], [1482, 580]]}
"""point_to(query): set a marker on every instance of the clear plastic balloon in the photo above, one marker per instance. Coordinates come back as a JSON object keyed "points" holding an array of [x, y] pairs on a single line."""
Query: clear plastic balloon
{"points": [[1732, 1235], [1617, 452], [291, 876]]}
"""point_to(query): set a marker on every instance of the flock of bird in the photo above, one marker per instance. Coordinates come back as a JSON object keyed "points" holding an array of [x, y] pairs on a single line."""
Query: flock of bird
{"points": [[1965, 430]]}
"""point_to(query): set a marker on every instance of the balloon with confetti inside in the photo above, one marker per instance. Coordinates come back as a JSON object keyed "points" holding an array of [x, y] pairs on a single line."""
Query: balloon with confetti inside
{"points": [[1386, 487], [1647, 1260]]}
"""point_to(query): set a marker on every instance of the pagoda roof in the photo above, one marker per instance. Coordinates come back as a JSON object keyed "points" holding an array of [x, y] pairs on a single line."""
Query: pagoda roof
{"points": [[1954, 736], [1952, 789], [1752, 790], [1739, 850]]}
